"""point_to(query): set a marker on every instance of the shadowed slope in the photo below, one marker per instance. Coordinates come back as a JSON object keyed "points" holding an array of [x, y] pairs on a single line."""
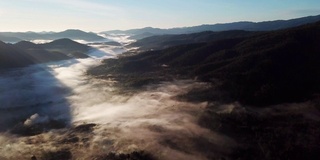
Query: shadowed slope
{"points": [[11, 57], [39, 54]]}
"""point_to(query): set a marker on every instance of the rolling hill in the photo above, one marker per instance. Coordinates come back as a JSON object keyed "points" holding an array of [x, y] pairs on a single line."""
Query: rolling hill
{"points": [[26, 53], [39, 54], [65, 45]]}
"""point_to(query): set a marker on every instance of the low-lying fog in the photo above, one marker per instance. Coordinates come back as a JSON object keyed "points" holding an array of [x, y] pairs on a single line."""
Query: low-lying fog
{"points": [[150, 120], [56, 106]]}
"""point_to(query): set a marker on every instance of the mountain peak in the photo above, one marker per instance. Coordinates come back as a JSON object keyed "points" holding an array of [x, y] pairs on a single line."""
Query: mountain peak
{"points": [[26, 44], [73, 31], [63, 41]]}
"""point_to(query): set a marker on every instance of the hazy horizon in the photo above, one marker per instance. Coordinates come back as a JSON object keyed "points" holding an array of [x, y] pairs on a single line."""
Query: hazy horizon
{"points": [[48, 31], [97, 15]]}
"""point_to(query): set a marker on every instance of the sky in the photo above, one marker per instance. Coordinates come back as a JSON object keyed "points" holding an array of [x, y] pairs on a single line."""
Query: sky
{"points": [[104, 15]]}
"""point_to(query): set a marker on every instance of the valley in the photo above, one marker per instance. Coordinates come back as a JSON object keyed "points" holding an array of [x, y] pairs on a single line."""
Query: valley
{"points": [[207, 94]]}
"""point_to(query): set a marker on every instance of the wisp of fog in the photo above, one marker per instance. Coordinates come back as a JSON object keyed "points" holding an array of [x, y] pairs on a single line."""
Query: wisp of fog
{"points": [[151, 120]]}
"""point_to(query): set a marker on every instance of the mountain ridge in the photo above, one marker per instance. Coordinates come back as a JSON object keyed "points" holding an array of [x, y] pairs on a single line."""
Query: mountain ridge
{"points": [[241, 25], [157, 42], [74, 34]]}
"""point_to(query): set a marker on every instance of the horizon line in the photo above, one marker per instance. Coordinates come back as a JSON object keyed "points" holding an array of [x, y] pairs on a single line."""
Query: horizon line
{"points": [[84, 30]]}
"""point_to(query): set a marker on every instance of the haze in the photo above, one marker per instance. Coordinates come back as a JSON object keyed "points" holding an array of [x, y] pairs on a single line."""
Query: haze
{"points": [[99, 15]]}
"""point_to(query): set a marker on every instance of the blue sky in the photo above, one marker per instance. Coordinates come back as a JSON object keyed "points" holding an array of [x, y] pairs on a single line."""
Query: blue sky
{"points": [[102, 15]]}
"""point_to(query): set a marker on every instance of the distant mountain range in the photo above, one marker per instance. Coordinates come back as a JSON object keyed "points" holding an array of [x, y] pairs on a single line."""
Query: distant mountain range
{"points": [[26, 53], [14, 37], [247, 26]]}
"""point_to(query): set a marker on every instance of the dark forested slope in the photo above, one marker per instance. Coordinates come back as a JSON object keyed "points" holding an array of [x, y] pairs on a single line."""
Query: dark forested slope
{"points": [[165, 41], [269, 68]]}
